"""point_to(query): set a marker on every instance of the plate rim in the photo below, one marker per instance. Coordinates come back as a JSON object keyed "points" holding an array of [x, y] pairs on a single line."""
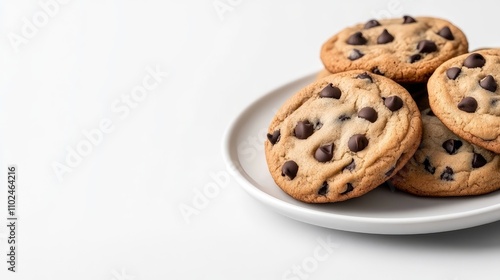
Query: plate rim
{"points": [[295, 211]]}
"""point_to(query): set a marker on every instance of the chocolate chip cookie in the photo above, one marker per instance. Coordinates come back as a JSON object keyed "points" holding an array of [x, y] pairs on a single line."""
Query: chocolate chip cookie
{"points": [[404, 49], [464, 95], [323, 73], [342, 136], [417, 90], [447, 165]]}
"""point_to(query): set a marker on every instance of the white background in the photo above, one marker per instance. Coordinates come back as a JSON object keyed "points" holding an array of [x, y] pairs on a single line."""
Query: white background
{"points": [[116, 212]]}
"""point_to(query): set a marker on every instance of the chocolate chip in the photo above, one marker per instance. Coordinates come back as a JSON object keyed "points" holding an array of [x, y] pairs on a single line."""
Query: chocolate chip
{"points": [[408, 19], [351, 166], [453, 73], [275, 137], [348, 188], [474, 60], [426, 46], [451, 146], [478, 161], [377, 71], [371, 23], [488, 83], [356, 39], [468, 104], [389, 172], [290, 169], [445, 32], [365, 75], [303, 129], [324, 189], [355, 54], [447, 174], [428, 166], [368, 113], [324, 153], [494, 102], [344, 117], [415, 57], [330, 91], [385, 37], [394, 103], [357, 142]]}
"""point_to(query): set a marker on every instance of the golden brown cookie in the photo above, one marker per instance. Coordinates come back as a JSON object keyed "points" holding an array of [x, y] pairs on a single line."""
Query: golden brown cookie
{"points": [[464, 95], [342, 136], [417, 90], [323, 73], [447, 165], [403, 49]]}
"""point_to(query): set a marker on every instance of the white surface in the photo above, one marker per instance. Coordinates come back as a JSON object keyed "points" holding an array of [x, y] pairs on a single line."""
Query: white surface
{"points": [[382, 211], [117, 215]]}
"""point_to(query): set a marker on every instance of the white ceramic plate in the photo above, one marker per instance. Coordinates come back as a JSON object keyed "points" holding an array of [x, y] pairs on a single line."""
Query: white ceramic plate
{"points": [[381, 211]]}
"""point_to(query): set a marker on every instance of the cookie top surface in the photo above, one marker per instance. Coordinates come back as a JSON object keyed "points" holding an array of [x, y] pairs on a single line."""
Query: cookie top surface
{"points": [[404, 49], [417, 90], [464, 95], [323, 73], [447, 165], [342, 136]]}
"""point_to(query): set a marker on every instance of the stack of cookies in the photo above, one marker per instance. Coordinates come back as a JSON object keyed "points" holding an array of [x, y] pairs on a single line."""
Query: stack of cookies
{"points": [[399, 101]]}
